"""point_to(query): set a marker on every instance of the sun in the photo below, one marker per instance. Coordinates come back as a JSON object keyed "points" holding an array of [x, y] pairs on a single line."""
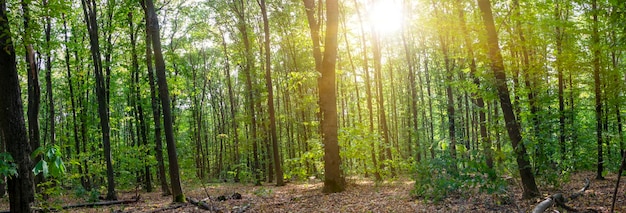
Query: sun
{"points": [[385, 16]]}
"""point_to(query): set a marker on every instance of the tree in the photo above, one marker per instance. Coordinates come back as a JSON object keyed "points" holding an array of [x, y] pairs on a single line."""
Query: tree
{"points": [[512, 125], [12, 126], [90, 12], [597, 85], [152, 26], [270, 96], [325, 64]]}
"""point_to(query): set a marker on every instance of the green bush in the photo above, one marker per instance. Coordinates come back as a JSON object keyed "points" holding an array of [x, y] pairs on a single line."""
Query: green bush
{"points": [[436, 179]]}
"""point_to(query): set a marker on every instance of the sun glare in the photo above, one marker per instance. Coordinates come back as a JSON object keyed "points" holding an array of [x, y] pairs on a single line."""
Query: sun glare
{"points": [[385, 16]]}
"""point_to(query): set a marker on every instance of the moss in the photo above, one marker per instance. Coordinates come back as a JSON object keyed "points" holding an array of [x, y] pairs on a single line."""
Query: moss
{"points": [[180, 198]]}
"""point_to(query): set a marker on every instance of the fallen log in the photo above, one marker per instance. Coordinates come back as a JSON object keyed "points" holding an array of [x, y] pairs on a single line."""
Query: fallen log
{"points": [[85, 205], [204, 205], [560, 200]]}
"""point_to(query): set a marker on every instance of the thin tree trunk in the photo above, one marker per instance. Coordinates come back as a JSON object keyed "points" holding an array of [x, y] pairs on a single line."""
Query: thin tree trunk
{"points": [[368, 91], [595, 42], [512, 125], [270, 97], [49, 77], [90, 12], [477, 99]]}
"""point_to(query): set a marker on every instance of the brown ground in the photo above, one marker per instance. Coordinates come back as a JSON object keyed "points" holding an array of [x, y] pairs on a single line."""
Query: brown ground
{"points": [[361, 196]]}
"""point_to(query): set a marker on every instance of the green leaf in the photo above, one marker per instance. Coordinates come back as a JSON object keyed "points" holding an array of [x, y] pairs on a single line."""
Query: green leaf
{"points": [[42, 166], [39, 151]]}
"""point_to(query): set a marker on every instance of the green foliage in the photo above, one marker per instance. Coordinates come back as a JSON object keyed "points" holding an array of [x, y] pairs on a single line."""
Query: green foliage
{"points": [[7, 165], [435, 180], [51, 163]]}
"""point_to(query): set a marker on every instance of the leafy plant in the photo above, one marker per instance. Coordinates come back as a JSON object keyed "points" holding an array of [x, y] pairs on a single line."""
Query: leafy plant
{"points": [[7, 165], [51, 163]]}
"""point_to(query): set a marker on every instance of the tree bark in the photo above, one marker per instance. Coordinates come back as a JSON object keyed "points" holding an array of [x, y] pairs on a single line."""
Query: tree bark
{"points": [[325, 64], [156, 114], [90, 12], [12, 125], [153, 30], [512, 125], [270, 97], [595, 39], [476, 98]]}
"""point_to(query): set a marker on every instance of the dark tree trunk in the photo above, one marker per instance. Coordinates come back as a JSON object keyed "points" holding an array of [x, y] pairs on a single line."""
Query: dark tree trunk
{"points": [[559, 34], [90, 12], [156, 114], [12, 125], [49, 78], [270, 97], [595, 39], [34, 90], [153, 30], [512, 125]]}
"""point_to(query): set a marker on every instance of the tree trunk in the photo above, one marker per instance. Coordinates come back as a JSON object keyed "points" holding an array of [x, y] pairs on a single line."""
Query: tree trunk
{"points": [[156, 114], [49, 77], [325, 64], [270, 97], [153, 29], [512, 125], [368, 90], [90, 12], [595, 39], [12, 126], [476, 98]]}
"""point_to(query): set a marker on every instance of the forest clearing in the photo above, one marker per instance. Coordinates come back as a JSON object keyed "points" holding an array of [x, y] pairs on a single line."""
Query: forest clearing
{"points": [[312, 105]]}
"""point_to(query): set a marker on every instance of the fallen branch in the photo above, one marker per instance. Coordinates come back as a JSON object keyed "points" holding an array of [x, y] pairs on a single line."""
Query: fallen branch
{"points": [[168, 208], [560, 200], [86, 205]]}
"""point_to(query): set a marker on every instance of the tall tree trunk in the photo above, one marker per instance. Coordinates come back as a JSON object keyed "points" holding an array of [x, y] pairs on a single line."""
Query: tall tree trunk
{"points": [[143, 135], [153, 29], [368, 88], [325, 64], [156, 114], [414, 121], [233, 108], [559, 34], [12, 126], [512, 125], [270, 97], [476, 98], [595, 46], [73, 103], [90, 12], [381, 101], [49, 76]]}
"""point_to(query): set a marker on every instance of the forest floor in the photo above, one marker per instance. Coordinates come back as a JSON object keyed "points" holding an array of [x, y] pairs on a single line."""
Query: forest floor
{"points": [[361, 196]]}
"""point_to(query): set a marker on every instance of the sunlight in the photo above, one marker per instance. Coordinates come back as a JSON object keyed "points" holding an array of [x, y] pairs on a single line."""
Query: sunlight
{"points": [[385, 16]]}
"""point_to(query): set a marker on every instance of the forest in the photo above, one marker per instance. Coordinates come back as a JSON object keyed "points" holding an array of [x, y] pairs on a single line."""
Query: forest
{"points": [[446, 105]]}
